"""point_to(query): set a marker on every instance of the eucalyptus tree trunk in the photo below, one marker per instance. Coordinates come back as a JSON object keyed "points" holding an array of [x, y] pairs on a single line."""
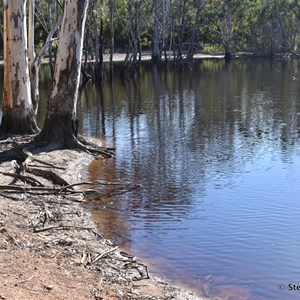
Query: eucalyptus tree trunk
{"points": [[33, 68], [227, 30], [138, 31], [112, 36], [99, 70], [182, 29], [60, 127], [18, 116], [155, 48], [130, 61], [50, 51], [193, 37], [165, 15], [35, 59]]}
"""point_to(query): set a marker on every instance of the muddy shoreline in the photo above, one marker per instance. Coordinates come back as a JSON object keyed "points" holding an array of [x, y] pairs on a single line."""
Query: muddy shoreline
{"points": [[51, 249]]}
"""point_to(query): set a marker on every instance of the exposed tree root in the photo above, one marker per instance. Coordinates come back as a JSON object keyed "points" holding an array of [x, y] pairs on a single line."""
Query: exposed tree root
{"points": [[45, 178], [91, 148]]}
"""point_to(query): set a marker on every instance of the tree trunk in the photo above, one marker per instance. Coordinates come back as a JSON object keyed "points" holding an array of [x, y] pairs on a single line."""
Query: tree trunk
{"points": [[155, 48], [18, 116], [165, 14], [99, 70], [50, 50], [182, 29], [60, 127], [227, 30], [33, 68], [193, 38], [35, 59], [112, 36]]}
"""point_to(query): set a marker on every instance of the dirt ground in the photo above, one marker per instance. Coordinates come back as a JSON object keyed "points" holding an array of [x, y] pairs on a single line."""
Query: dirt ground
{"points": [[49, 246]]}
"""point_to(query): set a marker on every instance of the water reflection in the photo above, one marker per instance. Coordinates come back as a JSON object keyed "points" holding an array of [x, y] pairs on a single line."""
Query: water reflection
{"points": [[110, 220], [217, 153]]}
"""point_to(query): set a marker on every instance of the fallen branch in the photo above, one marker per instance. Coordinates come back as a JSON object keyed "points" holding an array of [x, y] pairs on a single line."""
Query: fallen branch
{"points": [[61, 228], [104, 253], [19, 188], [136, 265], [27, 179]]}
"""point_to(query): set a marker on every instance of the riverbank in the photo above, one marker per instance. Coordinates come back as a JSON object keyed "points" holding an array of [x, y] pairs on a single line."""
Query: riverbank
{"points": [[49, 246]]}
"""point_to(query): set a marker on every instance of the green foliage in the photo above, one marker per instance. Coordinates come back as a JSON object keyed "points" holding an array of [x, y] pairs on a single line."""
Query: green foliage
{"points": [[257, 26]]}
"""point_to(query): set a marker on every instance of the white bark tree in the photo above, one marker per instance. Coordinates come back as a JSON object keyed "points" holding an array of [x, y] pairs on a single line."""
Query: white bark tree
{"points": [[35, 59], [60, 127], [31, 57], [18, 116]]}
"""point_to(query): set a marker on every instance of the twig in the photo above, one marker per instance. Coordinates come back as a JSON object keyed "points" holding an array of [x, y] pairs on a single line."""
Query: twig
{"points": [[97, 234], [104, 253], [24, 280]]}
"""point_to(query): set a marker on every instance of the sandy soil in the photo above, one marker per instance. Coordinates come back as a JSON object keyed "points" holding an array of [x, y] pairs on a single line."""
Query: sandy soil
{"points": [[49, 246]]}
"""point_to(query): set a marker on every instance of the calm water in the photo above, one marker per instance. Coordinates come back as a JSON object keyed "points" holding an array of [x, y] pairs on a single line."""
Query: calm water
{"points": [[217, 153]]}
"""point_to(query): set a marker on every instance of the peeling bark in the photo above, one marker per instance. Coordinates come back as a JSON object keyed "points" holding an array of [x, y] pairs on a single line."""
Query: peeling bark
{"points": [[18, 116], [60, 127], [33, 68]]}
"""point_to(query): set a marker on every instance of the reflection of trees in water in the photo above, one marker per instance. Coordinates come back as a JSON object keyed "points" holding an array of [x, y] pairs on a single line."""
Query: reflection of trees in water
{"points": [[107, 210], [183, 125]]}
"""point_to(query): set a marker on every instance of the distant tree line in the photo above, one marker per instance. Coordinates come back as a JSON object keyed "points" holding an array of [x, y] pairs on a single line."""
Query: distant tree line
{"points": [[177, 29]]}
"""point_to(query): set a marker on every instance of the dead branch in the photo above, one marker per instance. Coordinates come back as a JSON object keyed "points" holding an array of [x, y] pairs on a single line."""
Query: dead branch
{"points": [[61, 228], [23, 189], [135, 265], [27, 179], [104, 253], [97, 234]]}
